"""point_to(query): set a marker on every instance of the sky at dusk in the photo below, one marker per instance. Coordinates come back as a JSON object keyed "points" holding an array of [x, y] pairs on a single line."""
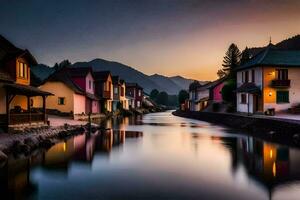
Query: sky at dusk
{"points": [[169, 37]]}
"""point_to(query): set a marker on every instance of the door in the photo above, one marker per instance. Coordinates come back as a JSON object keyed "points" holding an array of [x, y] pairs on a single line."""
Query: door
{"points": [[255, 103]]}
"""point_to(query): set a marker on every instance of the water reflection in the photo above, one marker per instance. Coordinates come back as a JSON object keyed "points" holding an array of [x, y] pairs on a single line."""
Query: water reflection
{"points": [[173, 159], [15, 180]]}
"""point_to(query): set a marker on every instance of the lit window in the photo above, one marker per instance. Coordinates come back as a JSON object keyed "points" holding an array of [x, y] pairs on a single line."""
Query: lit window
{"points": [[23, 70], [61, 101]]}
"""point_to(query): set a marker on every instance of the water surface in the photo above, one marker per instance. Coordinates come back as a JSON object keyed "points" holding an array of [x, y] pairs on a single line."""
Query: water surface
{"points": [[157, 156]]}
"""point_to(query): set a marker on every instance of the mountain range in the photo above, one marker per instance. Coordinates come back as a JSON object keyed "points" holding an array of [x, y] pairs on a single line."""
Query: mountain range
{"points": [[171, 85]]}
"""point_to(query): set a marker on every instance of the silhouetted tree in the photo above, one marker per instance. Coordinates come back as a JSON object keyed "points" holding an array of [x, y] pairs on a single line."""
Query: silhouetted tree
{"points": [[153, 94], [245, 56], [182, 96], [231, 60], [221, 73], [162, 98]]}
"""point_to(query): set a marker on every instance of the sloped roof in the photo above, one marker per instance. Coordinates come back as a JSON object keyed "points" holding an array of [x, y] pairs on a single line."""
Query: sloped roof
{"points": [[101, 75], [92, 96], [249, 88], [80, 71], [217, 82], [63, 75], [115, 79], [275, 57], [5, 76], [25, 90], [9, 51], [194, 85]]}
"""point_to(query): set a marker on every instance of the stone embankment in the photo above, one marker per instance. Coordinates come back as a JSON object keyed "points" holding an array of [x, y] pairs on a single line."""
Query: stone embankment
{"points": [[274, 129], [38, 138]]}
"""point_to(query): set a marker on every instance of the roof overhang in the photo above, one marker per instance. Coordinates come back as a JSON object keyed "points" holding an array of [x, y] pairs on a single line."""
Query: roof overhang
{"points": [[26, 90]]}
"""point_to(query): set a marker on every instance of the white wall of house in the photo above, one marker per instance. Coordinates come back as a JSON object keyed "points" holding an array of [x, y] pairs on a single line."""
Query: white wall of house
{"points": [[258, 76], [243, 107], [2, 100], [202, 94], [258, 80]]}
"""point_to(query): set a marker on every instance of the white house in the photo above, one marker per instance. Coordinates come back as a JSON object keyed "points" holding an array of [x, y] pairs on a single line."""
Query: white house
{"points": [[270, 80]]}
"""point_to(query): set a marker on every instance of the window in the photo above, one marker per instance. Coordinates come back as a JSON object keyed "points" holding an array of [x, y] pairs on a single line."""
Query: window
{"points": [[23, 70], [140, 93], [90, 84], [282, 74], [61, 101], [253, 75], [243, 99], [122, 91], [282, 97], [138, 103], [115, 90], [246, 76]]}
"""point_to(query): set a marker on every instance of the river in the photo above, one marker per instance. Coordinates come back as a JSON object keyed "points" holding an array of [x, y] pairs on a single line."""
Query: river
{"points": [[156, 156]]}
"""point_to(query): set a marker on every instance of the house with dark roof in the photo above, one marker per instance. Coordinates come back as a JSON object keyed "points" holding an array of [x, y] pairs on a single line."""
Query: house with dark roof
{"points": [[135, 95], [68, 97], [16, 91], [269, 81], [104, 89], [84, 78]]}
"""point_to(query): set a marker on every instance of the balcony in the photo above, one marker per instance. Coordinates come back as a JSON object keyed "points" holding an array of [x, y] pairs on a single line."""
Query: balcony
{"points": [[281, 83], [107, 94]]}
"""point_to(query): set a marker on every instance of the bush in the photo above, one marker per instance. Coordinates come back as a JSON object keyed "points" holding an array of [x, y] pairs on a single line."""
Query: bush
{"points": [[228, 93], [231, 108]]}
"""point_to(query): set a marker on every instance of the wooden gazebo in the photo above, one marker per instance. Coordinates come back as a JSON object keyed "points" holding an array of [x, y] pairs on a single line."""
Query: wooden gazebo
{"points": [[13, 118]]}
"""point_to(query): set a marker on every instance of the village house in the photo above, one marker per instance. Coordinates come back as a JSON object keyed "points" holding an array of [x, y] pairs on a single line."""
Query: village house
{"points": [[269, 82], [68, 98], [198, 96], [119, 98], [16, 92], [104, 89], [135, 95], [123, 99], [83, 77]]}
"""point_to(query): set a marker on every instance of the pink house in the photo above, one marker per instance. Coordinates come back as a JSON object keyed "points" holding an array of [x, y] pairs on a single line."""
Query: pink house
{"points": [[83, 77], [215, 90]]}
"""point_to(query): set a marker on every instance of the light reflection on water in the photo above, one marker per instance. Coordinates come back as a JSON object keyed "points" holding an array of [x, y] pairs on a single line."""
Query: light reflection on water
{"points": [[157, 156]]}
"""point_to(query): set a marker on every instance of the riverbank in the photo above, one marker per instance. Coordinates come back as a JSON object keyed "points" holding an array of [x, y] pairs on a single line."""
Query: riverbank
{"points": [[283, 131], [25, 143]]}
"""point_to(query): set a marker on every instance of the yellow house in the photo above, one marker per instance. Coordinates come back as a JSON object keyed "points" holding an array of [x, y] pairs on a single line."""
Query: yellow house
{"points": [[67, 97], [269, 81]]}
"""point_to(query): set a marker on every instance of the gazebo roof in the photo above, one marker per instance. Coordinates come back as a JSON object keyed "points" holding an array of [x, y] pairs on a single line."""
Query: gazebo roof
{"points": [[25, 90]]}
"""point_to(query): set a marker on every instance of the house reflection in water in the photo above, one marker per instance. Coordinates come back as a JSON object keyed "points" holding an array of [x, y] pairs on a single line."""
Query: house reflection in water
{"points": [[270, 164], [15, 179], [15, 174]]}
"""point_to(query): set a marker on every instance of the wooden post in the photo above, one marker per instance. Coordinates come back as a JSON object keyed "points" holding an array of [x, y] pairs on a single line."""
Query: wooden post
{"points": [[29, 108], [7, 108], [44, 109]]}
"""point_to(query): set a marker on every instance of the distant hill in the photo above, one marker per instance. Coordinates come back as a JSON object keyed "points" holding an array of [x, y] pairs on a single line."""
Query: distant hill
{"points": [[172, 85], [292, 43], [40, 72]]}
